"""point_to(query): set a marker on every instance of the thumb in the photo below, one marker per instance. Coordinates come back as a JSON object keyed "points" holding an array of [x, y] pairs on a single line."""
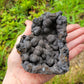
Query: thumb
{"points": [[28, 27], [26, 32]]}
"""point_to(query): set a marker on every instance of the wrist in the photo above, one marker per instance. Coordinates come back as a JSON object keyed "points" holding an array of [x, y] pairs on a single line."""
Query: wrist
{"points": [[10, 79]]}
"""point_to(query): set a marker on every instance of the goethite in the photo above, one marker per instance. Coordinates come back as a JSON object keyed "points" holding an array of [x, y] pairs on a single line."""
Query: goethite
{"points": [[45, 50]]}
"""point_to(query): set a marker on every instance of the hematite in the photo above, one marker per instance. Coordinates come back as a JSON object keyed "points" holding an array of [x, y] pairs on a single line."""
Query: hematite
{"points": [[45, 50]]}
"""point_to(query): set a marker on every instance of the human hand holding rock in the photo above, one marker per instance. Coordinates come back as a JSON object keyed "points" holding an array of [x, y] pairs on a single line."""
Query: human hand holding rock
{"points": [[17, 75]]}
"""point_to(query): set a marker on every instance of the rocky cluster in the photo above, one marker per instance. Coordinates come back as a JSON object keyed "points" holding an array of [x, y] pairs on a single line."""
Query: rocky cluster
{"points": [[45, 50]]}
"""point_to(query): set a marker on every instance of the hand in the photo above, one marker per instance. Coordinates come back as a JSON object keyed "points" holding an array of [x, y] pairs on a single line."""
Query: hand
{"points": [[17, 75], [75, 40]]}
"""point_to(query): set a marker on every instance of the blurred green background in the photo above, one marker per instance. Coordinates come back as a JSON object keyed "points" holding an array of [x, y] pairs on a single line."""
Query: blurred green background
{"points": [[13, 14]]}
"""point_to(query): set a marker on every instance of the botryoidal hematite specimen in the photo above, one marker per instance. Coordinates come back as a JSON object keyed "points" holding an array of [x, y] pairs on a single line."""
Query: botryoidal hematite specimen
{"points": [[45, 50]]}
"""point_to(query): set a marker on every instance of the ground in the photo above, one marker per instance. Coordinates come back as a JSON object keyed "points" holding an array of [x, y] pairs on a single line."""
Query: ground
{"points": [[12, 17]]}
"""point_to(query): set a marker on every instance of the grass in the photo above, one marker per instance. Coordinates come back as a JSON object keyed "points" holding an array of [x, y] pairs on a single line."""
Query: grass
{"points": [[13, 15]]}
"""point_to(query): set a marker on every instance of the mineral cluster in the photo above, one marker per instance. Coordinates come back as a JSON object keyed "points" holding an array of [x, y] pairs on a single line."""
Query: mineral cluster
{"points": [[45, 50]]}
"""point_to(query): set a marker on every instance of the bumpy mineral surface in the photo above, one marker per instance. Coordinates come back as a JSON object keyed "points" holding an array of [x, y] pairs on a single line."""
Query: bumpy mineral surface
{"points": [[45, 50]]}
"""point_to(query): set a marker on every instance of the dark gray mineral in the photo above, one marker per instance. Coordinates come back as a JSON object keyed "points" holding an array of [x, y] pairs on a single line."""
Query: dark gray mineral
{"points": [[45, 50]]}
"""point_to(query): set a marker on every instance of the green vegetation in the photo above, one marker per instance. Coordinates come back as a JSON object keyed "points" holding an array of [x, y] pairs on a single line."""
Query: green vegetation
{"points": [[13, 14]]}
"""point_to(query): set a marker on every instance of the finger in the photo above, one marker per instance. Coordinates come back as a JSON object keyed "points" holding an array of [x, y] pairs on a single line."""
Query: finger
{"points": [[75, 51], [27, 30], [28, 27], [72, 27], [26, 22], [75, 34], [75, 42], [18, 40]]}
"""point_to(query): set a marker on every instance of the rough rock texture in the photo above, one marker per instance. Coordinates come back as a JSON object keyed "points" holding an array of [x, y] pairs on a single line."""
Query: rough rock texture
{"points": [[45, 50]]}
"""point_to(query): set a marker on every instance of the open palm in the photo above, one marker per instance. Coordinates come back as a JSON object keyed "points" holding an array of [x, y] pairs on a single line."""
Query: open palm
{"points": [[17, 75]]}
